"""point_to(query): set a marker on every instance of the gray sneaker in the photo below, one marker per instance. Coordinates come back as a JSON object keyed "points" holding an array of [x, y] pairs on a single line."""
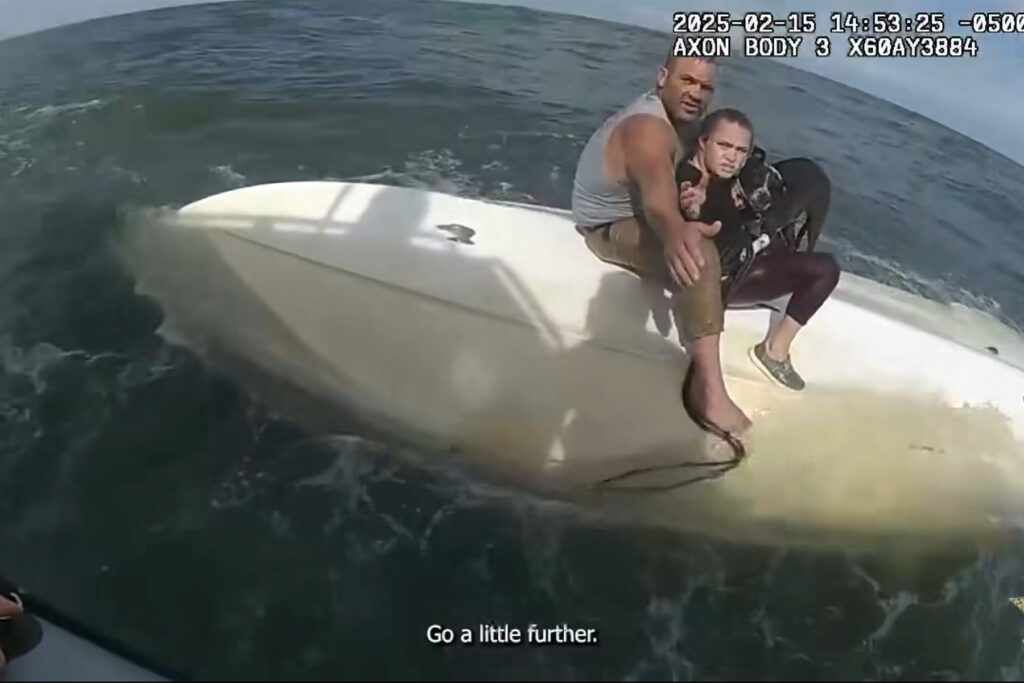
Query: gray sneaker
{"points": [[781, 372]]}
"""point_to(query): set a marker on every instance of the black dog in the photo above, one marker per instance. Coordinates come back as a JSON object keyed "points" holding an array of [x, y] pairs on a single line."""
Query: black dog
{"points": [[790, 198]]}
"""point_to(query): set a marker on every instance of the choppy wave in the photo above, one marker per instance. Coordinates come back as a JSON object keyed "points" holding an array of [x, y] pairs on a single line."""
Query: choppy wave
{"points": [[50, 111], [443, 171], [901, 276], [230, 176]]}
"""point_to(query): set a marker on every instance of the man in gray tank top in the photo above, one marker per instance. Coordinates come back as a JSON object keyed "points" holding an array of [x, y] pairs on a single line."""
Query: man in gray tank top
{"points": [[626, 204]]}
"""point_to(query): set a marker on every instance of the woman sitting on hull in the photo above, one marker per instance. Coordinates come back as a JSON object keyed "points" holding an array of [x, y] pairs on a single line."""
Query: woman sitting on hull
{"points": [[760, 259]]}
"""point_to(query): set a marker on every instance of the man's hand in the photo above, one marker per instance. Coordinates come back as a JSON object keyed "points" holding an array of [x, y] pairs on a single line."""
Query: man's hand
{"points": [[683, 254], [648, 143], [737, 197]]}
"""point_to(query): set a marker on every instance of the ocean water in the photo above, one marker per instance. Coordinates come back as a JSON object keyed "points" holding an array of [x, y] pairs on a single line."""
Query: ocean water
{"points": [[151, 497]]}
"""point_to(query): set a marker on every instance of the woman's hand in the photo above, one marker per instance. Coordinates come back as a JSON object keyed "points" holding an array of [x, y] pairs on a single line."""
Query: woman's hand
{"points": [[737, 196], [691, 197]]}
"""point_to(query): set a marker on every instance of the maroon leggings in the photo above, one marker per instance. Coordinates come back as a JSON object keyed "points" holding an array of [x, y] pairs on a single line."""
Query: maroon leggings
{"points": [[777, 270]]}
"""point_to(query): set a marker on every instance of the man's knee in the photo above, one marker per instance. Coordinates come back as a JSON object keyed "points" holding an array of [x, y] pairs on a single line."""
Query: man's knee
{"points": [[598, 240], [623, 243], [712, 261], [699, 308]]}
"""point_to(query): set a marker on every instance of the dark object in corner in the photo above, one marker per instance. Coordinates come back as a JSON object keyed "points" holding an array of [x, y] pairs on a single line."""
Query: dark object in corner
{"points": [[18, 635]]}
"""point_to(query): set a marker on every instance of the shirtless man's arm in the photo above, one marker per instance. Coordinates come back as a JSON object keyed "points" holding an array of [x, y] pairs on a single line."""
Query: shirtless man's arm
{"points": [[647, 144]]}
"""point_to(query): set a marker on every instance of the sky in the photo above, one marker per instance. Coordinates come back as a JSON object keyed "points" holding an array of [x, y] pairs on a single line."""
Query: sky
{"points": [[981, 97]]}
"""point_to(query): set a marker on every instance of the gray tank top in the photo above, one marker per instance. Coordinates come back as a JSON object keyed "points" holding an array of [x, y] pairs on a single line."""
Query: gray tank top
{"points": [[595, 200]]}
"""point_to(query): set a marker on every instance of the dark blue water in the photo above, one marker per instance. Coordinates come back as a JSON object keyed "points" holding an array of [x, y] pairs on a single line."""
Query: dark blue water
{"points": [[151, 497]]}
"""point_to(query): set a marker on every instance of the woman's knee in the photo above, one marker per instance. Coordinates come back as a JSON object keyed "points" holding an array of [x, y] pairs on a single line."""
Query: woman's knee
{"points": [[828, 269]]}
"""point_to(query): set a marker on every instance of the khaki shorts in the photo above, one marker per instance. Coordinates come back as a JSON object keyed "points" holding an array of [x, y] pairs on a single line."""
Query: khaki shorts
{"points": [[633, 245]]}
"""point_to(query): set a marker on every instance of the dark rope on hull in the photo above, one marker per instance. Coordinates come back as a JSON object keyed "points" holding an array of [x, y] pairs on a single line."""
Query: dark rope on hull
{"points": [[724, 466]]}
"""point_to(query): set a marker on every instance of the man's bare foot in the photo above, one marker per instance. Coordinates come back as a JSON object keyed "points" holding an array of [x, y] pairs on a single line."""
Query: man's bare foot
{"points": [[712, 403], [727, 415]]}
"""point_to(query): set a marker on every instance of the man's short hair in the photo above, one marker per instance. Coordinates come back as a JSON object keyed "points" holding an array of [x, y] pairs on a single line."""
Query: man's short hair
{"points": [[669, 57]]}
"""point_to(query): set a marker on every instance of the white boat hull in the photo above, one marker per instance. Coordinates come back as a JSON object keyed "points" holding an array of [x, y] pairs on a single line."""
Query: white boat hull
{"points": [[521, 351]]}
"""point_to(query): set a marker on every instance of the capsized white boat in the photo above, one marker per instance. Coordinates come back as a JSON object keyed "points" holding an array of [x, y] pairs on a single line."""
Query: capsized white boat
{"points": [[488, 328]]}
